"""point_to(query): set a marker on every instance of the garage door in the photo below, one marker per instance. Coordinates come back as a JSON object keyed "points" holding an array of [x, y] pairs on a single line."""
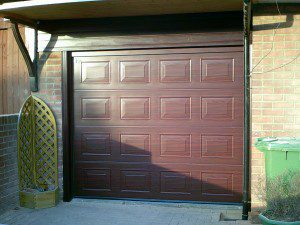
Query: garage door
{"points": [[159, 124]]}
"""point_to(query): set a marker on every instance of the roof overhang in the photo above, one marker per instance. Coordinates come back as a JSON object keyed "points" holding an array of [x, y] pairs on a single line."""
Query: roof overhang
{"points": [[31, 11]]}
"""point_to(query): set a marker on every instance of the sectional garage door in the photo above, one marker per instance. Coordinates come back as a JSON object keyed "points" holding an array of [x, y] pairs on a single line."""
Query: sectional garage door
{"points": [[159, 124]]}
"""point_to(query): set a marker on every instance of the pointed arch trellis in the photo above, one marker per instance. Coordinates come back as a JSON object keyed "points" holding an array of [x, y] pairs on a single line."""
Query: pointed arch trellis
{"points": [[37, 152]]}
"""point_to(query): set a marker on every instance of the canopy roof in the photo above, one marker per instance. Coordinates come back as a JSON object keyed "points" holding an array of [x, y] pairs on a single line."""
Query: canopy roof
{"points": [[35, 10]]}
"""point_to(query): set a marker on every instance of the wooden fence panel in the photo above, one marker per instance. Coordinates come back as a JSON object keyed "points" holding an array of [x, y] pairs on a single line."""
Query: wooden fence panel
{"points": [[14, 81]]}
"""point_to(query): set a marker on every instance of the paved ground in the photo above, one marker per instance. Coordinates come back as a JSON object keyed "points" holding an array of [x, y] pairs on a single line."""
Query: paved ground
{"points": [[112, 212]]}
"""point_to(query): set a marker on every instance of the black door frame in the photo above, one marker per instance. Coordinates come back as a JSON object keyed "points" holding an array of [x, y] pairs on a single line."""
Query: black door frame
{"points": [[67, 116]]}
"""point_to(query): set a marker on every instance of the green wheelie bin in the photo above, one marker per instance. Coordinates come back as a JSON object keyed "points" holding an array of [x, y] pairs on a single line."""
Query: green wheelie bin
{"points": [[281, 154]]}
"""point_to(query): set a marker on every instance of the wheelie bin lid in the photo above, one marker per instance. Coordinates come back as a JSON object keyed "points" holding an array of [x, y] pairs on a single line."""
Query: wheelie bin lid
{"points": [[278, 144]]}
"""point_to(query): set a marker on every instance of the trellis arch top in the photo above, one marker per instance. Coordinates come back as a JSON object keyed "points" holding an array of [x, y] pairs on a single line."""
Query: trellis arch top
{"points": [[37, 146]]}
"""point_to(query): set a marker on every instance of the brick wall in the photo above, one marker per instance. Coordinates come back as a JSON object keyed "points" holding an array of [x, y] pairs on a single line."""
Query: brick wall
{"points": [[50, 76], [8, 162], [275, 93]]}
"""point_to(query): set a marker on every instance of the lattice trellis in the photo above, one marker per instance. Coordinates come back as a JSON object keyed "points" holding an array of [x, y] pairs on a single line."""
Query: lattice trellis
{"points": [[37, 146]]}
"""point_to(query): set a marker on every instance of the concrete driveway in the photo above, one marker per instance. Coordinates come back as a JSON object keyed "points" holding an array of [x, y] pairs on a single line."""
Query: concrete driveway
{"points": [[114, 212]]}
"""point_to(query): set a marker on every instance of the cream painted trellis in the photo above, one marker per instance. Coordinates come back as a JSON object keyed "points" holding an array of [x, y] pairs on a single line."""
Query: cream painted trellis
{"points": [[37, 146]]}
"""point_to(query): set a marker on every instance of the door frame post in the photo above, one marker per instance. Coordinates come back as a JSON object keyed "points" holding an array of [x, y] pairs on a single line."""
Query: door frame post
{"points": [[246, 178]]}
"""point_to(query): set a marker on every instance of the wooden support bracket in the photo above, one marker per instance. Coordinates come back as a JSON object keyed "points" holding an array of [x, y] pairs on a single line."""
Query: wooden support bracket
{"points": [[31, 64]]}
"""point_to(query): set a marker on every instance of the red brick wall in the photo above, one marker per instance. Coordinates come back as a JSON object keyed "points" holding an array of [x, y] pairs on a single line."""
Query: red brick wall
{"points": [[50, 78], [276, 93]]}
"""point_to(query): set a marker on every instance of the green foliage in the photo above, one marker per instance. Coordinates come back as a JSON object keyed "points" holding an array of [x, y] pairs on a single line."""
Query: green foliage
{"points": [[283, 197]]}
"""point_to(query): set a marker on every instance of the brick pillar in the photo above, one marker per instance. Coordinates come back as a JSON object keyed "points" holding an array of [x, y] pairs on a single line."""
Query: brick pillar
{"points": [[50, 78]]}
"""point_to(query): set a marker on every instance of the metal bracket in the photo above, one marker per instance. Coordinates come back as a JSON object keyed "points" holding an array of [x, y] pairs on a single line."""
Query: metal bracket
{"points": [[31, 64]]}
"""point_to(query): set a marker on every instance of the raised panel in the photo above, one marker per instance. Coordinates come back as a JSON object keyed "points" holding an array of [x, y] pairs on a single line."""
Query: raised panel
{"points": [[217, 108], [97, 179], [135, 108], [176, 70], [217, 70], [175, 108], [95, 144], [135, 144], [175, 182], [135, 181], [175, 145], [134, 71], [214, 183], [95, 108], [95, 72], [220, 146]]}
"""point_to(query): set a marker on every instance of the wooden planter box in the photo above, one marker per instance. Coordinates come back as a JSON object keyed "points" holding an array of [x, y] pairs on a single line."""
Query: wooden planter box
{"points": [[39, 200]]}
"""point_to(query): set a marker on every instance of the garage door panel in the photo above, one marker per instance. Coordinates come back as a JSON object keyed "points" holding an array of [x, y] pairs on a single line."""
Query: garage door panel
{"points": [[186, 107], [225, 185], [193, 145], [135, 145], [134, 71], [197, 70], [175, 71], [97, 179], [117, 146], [95, 108], [92, 179], [160, 181], [200, 145], [159, 124]]}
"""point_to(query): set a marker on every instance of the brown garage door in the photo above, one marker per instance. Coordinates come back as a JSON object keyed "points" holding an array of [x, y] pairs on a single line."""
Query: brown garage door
{"points": [[159, 124]]}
